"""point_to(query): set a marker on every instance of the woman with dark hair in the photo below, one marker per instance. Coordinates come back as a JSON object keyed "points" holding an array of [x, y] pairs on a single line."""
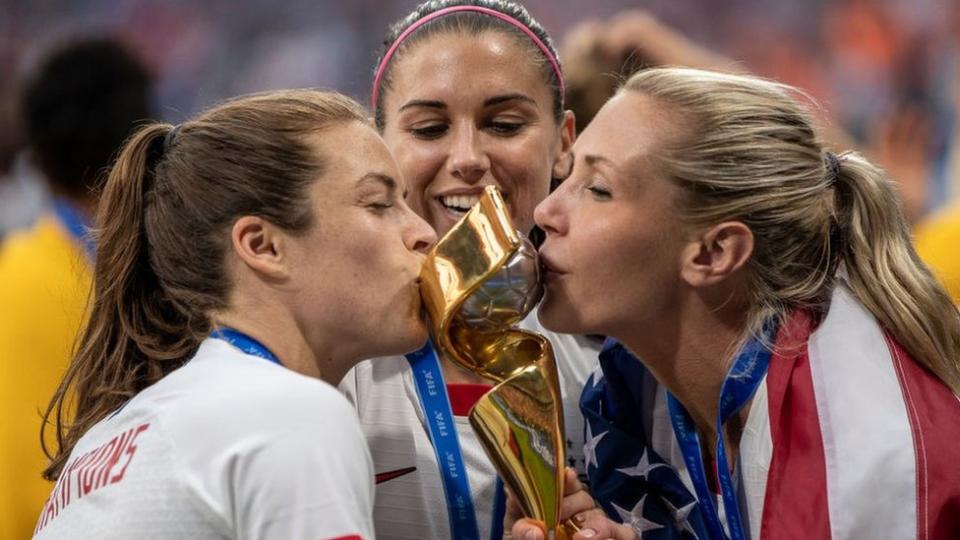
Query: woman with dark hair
{"points": [[246, 260], [466, 94], [782, 363]]}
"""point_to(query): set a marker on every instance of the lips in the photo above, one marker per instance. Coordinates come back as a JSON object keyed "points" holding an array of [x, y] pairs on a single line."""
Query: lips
{"points": [[550, 272], [459, 201]]}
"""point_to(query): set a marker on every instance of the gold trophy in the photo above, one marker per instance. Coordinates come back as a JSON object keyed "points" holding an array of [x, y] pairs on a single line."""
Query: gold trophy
{"points": [[479, 280]]}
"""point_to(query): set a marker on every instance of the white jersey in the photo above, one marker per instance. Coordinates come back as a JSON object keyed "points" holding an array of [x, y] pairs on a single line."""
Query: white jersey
{"points": [[228, 446], [411, 503]]}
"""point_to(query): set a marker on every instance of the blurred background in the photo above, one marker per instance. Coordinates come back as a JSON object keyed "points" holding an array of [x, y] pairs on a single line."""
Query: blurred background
{"points": [[883, 78], [884, 71]]}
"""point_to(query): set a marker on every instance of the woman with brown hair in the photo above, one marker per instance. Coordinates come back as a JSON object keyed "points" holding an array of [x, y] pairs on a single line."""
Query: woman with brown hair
{"points": [[783, 365], [246, 260]]}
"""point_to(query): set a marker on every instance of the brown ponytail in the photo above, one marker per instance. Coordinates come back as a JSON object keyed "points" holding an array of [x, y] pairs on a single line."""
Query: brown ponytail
{"points": [[161, 233]]}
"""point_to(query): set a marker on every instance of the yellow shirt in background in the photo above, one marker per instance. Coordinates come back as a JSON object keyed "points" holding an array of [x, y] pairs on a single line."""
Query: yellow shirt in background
{"points": [[45, 281], [937, 240]]}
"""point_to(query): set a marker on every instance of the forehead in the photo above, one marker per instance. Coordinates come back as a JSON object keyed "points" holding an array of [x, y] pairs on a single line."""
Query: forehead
{"points": [[630, 128], [470, 67], [351, 150]]}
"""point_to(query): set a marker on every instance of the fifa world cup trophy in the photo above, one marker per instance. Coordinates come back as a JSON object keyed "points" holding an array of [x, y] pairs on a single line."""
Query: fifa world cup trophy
{"points": [[480, 279]]}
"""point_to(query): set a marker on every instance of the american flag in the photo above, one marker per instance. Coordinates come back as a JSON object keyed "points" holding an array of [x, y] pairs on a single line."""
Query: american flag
{"points": [[849, 437]]}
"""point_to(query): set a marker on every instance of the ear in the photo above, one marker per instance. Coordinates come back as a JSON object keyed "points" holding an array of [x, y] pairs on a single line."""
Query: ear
{"points": [[563, 163], [261, 246], [717, 254]]}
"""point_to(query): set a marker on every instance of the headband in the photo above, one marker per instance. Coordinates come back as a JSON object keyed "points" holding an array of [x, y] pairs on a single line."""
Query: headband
{"points": [[454, 9]]}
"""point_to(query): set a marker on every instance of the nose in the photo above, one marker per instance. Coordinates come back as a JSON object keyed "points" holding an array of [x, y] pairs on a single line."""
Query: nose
{"points": [[549, 214], [467, 161], [420, 235]]}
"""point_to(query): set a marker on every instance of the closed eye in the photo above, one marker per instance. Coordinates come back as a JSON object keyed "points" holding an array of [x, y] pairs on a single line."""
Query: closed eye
{"points": [[505, 128], [429, 131], [599, 192]]}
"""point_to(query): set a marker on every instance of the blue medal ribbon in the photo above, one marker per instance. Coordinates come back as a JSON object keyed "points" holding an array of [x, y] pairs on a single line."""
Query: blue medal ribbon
{"points": [[435, 404], [245, 343], [741, 383], [76, 224]]}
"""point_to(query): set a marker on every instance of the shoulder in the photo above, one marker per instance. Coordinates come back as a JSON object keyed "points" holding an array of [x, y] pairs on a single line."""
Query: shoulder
{"points": [[246, 395]]}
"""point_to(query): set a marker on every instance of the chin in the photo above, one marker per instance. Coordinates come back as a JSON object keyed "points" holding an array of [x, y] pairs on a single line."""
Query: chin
{"points": [[413, 339], [559, 317]]}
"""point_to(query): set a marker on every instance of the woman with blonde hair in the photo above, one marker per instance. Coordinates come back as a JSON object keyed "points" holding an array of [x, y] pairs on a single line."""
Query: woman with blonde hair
{"points": [[783, 365], [246, 259]]}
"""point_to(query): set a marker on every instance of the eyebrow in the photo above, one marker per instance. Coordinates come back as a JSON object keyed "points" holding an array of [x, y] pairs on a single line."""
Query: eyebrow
{"points": [[379, 178], [427, 103], [489, 102], [593, 159], [516, 96]]}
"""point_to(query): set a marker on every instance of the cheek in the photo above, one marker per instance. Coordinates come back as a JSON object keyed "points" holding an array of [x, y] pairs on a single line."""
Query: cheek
{"points": [[524, 170], [419, 163]]}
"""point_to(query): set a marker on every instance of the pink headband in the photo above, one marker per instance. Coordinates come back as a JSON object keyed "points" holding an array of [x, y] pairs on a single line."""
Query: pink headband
{"points": [[453, 9]]}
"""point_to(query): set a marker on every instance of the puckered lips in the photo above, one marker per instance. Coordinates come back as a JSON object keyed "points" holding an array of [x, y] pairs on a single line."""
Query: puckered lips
{"points": [[549, 269]]}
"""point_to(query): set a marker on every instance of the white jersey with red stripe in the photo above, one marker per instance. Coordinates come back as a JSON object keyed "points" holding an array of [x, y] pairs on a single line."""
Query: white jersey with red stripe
{"points": [[228, 446], [847, 437], [410, 501]]}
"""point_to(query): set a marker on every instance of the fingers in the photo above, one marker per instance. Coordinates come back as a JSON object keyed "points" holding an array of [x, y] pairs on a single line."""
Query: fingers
{"points": [[576, 504], [594, 515], [528, 529], [571, 482], [513, 511], [598, 526]]}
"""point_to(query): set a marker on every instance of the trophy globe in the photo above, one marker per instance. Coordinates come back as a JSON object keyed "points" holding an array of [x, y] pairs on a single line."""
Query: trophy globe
{"points": [[507, 296]]}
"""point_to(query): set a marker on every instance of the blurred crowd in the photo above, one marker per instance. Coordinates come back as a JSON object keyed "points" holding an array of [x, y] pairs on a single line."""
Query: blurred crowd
{"points": [[883, 71], [882, 76]]}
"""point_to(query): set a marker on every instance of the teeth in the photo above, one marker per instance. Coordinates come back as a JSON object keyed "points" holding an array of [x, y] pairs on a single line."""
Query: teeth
{"points": [[460, 203]]}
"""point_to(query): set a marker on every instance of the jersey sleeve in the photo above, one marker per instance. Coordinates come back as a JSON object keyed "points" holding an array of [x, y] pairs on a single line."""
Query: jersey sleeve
{"points": [[309, 480]]}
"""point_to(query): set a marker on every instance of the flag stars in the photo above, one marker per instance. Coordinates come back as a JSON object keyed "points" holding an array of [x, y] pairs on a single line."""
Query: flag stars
{"points": [[634, 518], [642, 468], [681, 516], [590, 447]]}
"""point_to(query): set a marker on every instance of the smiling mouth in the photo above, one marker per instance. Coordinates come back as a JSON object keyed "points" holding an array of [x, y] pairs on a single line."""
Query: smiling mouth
{"points": [[459, 204]]}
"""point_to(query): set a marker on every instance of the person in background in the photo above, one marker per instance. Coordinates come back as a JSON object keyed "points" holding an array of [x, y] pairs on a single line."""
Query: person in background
{"points": [[79, 105], [22, 194], [466, 94]]}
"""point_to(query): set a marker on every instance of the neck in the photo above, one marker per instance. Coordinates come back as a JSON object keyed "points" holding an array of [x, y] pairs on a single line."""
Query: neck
{"points": [[276, 332], [690, 356]]}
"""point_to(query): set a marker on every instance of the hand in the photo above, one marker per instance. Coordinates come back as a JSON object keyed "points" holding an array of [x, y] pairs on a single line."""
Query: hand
{"points": [[577, 506], [595, 525]]}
